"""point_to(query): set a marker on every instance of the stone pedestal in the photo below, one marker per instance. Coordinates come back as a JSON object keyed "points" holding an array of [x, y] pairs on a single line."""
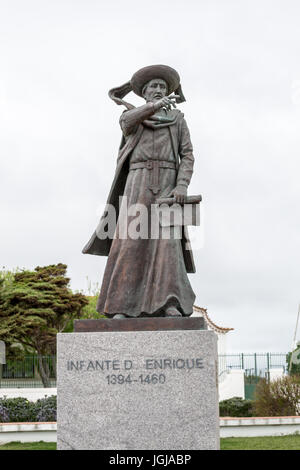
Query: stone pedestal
{"points": [[153, 389]]}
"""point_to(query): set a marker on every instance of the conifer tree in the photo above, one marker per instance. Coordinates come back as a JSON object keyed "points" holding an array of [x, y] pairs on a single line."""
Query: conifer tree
{"points": [[35, 306]]}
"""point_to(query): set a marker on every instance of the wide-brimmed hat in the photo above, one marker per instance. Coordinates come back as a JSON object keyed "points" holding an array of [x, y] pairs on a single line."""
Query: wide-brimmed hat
{"points": [[144, 75]]}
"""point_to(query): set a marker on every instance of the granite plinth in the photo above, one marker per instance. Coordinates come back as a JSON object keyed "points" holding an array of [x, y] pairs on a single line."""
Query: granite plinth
{"points": [[146, 390]]}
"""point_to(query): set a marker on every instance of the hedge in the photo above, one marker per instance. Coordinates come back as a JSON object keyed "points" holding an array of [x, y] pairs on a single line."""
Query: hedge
{"points": [[236, 407], [20, 410], [13, 410]]}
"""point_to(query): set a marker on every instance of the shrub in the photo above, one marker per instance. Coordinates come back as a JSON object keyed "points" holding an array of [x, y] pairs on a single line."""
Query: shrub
{"points": [[280, 397], [236, 407], [20, 410], [4, 416], [45, 409]]}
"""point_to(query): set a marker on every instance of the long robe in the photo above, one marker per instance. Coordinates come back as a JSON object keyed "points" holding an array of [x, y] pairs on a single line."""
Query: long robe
{"points": [[145, 276]]}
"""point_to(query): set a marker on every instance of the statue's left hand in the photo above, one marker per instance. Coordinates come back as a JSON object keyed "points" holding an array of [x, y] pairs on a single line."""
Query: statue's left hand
{"points": [[179, 193]]}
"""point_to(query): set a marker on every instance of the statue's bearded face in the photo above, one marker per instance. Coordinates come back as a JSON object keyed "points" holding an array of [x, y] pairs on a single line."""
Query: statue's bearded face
{"points": [[155, 90]]}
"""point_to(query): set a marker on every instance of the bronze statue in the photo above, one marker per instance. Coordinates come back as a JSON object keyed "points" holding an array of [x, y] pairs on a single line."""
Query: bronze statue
{"points": [[148, 276]]}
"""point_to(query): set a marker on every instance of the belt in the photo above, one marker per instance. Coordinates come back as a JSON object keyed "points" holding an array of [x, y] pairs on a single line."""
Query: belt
{"points": [[153, 166]]}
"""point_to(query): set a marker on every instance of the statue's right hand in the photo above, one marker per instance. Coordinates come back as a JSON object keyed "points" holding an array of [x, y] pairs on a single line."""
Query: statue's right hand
{"points": [[166, 102]]}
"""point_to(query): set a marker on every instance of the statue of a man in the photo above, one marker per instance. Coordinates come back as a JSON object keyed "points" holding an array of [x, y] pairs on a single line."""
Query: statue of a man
{"points": [[148, 277]]}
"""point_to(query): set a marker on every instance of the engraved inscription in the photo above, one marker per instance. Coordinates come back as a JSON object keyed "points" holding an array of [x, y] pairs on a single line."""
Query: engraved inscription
{"points": [[129, 379], [123, 372], [174, 363]]}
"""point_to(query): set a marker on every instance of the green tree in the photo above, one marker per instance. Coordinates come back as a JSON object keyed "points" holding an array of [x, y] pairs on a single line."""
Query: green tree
{"points": [[88, 312], [7, 277], [293, 369], [34, 307]]}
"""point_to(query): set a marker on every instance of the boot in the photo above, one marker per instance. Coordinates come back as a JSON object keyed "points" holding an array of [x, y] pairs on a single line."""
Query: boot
{"points": [[172, 312]]}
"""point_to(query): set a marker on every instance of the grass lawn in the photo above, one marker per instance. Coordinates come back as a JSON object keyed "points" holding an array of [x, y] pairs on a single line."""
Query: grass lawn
{"points": [[29, 446], [231, 443], [291, 442]]}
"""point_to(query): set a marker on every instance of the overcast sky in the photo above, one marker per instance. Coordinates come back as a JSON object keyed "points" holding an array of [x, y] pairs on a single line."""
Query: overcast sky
{"points": [[59, 134]]}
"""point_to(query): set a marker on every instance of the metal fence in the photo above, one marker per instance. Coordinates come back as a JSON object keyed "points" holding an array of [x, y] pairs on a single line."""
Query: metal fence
{"points": [[255, 364], [26, 373]]}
